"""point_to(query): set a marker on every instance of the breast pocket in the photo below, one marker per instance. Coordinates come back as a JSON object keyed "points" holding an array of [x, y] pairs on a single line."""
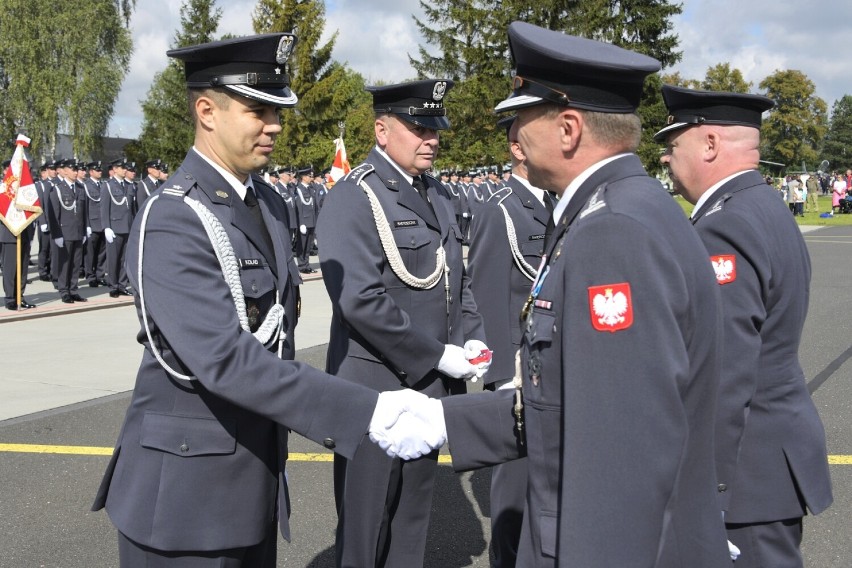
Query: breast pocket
{"points": [[539, 362], [416, 251]]}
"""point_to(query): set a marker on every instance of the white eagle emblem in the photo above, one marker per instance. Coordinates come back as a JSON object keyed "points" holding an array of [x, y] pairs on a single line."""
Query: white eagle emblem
{"points": [[725, 267], [610, 308], [285, 48], [439, 91]]}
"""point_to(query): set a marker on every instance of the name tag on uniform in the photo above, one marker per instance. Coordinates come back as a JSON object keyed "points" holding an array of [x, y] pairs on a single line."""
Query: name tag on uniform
{"points": [[247, 263], [537, 237], [406, 223]]}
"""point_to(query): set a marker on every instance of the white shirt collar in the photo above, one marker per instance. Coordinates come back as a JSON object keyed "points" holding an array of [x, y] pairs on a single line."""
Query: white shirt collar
{"points": [[576, 183], [238, 186], [706, 195]]}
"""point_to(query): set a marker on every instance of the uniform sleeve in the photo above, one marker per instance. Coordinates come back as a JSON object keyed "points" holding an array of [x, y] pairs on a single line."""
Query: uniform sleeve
{"points": [[190, 304], [730, 238], [481, 429], [352, 262]]}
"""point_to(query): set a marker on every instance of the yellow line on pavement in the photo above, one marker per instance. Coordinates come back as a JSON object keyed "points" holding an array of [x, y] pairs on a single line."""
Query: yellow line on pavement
{"points": [[101, 451], [294, 456]]}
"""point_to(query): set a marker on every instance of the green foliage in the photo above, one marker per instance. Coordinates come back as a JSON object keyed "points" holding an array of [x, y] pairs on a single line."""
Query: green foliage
{"points": [[167, 129], [797, 124], [722, 78], [328, 91], [59, 75], [839, 136], [470, 46]]}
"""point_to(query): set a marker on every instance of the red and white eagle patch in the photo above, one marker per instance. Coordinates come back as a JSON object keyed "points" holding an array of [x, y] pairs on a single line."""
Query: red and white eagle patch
{"points": [[610, 307], [725, 266]]}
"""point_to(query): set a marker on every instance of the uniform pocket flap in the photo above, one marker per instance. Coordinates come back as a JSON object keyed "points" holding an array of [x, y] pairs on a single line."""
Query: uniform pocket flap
{"points": [[408, 239], [541, 327], [188, 436]]}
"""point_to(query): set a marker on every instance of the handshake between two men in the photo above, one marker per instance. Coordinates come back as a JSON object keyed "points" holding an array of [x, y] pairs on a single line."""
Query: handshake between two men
{"points": [[408, 424]]}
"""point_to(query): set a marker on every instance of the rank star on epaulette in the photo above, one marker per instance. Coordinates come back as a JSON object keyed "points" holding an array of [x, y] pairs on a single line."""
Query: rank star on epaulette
{"points": [[725, 267], [611, 307]]}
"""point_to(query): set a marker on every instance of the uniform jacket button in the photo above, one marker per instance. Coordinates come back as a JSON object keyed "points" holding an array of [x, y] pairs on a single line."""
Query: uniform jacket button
{"points": [[329, 443], [722, 488], [184, 448]]}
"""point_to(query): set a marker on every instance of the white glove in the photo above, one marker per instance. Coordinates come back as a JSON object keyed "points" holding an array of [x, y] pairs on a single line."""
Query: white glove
{"points": [[88, 231], [454, 364], [476, 350], [109, 234], [303, 229], [44, 227], [59, 242], [733, 550], [393, 429], [84, 240], [464, 215]]}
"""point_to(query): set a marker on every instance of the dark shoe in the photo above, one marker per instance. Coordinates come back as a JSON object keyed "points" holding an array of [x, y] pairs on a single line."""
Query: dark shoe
{"points": [[25, 305], [11, 306], [66, 299], [78, 298], [94, 284], [44, 278], [103, 282], [113, 293], [125, 292]]}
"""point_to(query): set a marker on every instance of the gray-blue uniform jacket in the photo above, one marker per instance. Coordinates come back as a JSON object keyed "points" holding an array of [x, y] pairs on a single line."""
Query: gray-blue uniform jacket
{"points": [[94, 193], [384, 333], [67, 212], [199, 465], [307, 208], [770, 442], [620, 363], [117, 206], [499, 287]]}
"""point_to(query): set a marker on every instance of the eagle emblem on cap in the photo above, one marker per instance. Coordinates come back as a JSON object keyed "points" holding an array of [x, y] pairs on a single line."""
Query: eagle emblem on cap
{"points": [[611, 307], [285, 48], [439, 90], [725, 267]]}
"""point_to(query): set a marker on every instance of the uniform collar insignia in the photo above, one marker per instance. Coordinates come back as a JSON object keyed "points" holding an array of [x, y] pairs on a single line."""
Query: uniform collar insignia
{"points": [[222, 194], [595, 203]]}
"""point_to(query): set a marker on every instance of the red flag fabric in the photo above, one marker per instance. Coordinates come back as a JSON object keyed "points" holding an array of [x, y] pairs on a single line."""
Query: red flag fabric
{"points": [[340, 166], [19, 202]]}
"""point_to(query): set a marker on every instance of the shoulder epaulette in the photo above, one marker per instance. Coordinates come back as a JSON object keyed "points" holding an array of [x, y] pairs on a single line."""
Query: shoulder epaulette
{"points": [[178, 191], [719, 205], [357, 173]]}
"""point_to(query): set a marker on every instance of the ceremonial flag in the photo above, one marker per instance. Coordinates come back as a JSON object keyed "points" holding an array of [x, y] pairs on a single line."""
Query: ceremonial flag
{"points": [[19, 202], [340, 166]]}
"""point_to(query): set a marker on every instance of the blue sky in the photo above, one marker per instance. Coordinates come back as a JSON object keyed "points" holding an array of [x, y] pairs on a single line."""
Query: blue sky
{"points": [[375, 37]]}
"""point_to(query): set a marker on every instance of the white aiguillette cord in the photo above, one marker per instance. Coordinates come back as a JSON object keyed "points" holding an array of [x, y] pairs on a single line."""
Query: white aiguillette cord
{"points": [[272, 326]]}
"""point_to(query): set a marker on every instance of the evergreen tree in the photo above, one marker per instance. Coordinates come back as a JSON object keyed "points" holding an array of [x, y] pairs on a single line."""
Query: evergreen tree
{"points": [[61, 66], [328, 92], [796, 126], [472, 49], [837, 146], [167, 129]]}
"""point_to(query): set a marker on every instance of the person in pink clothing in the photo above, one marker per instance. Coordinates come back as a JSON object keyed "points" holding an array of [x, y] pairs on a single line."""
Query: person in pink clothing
{"points": [[838, 192]]}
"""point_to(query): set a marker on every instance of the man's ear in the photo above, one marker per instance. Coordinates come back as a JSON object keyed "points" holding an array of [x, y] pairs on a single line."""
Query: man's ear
{"points": [[570, 129], [205, 108], [382, 128]]}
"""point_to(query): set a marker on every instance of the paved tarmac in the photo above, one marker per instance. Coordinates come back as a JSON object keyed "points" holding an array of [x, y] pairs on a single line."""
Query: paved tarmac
{"points": [[64, 387]]}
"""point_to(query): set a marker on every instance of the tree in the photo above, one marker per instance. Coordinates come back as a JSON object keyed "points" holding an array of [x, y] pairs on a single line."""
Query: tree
{"points": [[167, 129], [470, 38], [796, 126], [61, 75], [837, 146], [328, 91], [675, 80], [722, 78]]}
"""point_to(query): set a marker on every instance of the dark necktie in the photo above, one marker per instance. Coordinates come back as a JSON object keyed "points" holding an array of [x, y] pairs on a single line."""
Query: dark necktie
{"points": [[548, 230], [420, 185], [251, 202]]}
